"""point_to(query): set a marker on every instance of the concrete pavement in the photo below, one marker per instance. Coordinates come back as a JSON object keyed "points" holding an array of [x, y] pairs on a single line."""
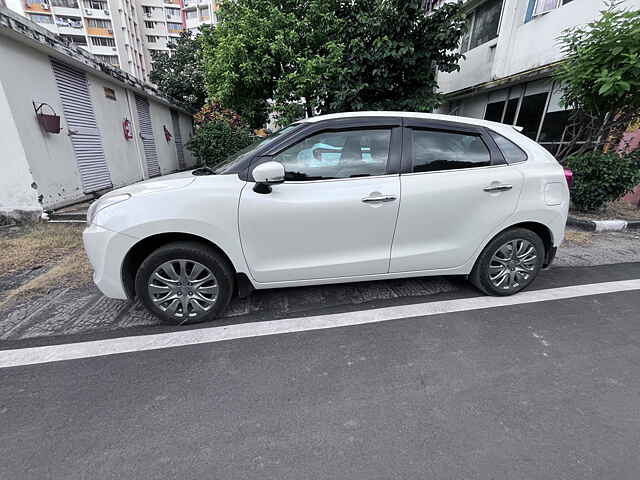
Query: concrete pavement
{"points": [[539, 390]]}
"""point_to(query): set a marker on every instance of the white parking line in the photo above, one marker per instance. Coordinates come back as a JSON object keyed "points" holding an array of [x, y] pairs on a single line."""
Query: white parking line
{"points": [[72, 351]]}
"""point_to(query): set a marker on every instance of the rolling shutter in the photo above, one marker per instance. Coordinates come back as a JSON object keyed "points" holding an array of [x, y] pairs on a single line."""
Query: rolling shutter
{"points": [[146, 133], [177, 136], [86, 140]]}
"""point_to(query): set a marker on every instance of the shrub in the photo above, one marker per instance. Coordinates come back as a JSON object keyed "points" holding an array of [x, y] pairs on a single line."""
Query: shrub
{"points": [[219, 133], [602, 177]]}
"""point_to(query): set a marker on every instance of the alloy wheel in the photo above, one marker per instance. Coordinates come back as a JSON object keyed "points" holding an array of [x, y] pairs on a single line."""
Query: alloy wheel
{"points": [[184, 289], [513, 264]]}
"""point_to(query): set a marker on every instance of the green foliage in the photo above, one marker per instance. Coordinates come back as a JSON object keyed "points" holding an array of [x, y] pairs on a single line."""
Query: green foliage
{"points": [[219, 133], [180, 74], [602, 70], [321, 56], [602, 177]]}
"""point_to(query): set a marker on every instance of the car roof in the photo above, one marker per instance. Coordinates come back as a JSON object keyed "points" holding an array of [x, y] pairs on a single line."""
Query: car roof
{"points": [[431, 116]]}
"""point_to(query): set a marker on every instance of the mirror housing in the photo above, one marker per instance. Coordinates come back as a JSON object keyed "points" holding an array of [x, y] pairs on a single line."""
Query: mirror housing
{"points": [[267, 174]]}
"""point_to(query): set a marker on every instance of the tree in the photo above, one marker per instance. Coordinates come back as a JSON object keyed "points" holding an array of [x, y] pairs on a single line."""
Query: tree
{"points": [[601, 80], [324, 56], [179, 74]]}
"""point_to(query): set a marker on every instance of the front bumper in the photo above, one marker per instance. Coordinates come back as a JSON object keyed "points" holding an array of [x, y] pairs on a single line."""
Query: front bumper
{"points": [[106, 251]]}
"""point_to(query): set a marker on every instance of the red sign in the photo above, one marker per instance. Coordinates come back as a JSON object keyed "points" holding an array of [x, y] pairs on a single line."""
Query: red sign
{"points": [[127, 130]]}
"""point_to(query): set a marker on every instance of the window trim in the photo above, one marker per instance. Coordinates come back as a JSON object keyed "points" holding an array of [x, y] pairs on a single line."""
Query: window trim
{"points": [[495, 154], [347, 124]]}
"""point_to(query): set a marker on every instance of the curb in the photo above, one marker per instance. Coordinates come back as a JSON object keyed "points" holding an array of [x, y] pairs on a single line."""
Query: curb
{"points": [[603, 225]]}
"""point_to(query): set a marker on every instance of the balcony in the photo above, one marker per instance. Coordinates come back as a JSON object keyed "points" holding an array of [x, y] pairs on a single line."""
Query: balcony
{"points": [[67, 11], [94, 13], [38, 7], [99, 32]]}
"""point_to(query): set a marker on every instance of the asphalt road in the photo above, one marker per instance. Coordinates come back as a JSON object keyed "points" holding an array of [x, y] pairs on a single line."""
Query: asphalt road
{"points": [[543, 390]]}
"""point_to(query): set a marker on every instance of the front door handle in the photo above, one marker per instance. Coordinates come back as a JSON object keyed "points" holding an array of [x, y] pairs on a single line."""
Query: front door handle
{"points": [[379, 199], [498, 188]]}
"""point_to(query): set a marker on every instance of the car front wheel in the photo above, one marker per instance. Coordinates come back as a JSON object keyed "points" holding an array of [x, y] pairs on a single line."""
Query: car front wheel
{"points": [[509, 263], [185, 282]]}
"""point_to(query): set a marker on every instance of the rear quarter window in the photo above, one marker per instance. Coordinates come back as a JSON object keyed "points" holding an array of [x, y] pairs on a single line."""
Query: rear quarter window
{"points": [[512, 153]]}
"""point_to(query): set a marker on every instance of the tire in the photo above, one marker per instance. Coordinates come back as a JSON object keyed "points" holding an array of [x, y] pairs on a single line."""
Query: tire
{"points": [[496, 274], [184, 277]]}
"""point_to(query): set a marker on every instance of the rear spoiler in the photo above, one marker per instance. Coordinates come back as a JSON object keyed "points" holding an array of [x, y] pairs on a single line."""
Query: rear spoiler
{"points": [[517, 128]]}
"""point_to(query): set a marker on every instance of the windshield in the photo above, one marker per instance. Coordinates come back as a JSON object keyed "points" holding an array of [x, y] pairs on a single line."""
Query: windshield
{"points": [[232, 160]]}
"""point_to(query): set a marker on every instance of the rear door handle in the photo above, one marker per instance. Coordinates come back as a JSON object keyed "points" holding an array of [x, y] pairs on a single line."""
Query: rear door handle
{"points": [[498, 188], [379, 199]]}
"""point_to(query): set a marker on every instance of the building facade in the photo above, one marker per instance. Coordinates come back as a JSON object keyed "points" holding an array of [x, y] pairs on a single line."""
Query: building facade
{"points": [[511, 51], [200, 12], [72, 127], [162, 21]]}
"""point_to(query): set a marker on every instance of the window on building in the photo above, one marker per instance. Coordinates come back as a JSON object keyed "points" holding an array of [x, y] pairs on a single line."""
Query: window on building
{"points": [[204, 13], [65, 3], [342, 154], [74, 39], [539, 7], [95, 4], [110, 59], [98, 23], [530, 114], [494, 111], [102, 42], [191, 14], [149, 24], [152, 38], [434, 151], [174, 27], [38, 18], [483, 23], [173, 13], [72, 22]]}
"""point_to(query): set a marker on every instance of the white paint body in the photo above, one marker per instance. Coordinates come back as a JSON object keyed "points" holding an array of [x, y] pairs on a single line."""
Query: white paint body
{"points": [[317, 232]]}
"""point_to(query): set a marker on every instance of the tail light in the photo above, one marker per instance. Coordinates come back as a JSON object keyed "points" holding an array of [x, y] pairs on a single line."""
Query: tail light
{"points": [[568, 175]]}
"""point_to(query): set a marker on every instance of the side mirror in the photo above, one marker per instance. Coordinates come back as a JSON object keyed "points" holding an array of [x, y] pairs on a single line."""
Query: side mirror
{"points": [[267, 174]]}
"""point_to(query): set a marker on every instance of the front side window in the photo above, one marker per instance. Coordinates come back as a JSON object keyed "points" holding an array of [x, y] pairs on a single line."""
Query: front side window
{"points": [[337, 154], [435, 151]]}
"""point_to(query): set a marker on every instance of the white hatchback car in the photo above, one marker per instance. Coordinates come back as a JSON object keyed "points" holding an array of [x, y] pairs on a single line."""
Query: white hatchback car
{"points": [[335, 198]]}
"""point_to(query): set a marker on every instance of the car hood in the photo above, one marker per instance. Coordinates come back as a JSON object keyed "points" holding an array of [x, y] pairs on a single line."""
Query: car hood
{"points": [[158, 184]]}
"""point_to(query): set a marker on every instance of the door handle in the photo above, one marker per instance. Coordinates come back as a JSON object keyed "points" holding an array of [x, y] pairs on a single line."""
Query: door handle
{"points": [[498, 188], [379, 199]]}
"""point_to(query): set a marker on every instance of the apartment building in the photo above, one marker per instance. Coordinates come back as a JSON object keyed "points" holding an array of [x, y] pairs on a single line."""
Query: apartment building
{"points": [[108, 29], [200, 12], [511, 52], [162, 20]]}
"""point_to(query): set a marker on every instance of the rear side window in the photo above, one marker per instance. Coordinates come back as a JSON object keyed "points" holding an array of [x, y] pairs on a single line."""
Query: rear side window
{"points": [[435, 151], [512, 153]]}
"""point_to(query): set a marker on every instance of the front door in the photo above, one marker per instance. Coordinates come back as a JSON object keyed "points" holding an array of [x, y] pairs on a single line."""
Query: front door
{"points": [[335, 214], [455, 193]]}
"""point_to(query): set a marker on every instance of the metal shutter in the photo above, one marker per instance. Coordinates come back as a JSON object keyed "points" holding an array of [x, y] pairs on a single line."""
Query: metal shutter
{"points": [[73, 89], [146, 133], [177, 138]]}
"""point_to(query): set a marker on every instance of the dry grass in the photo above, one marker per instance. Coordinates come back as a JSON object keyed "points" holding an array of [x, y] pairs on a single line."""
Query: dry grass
{"points": [[579, 238], [57, 247], [40, 245], [618, 210]]}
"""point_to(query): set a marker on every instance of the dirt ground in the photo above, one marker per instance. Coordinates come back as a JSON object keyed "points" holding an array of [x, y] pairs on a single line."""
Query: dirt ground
{"points": [[37, 258]]}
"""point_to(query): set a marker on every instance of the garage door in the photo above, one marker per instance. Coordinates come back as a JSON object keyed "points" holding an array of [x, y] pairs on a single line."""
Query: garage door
{"points": [[146, 133], [177, 136], [86, 140]]}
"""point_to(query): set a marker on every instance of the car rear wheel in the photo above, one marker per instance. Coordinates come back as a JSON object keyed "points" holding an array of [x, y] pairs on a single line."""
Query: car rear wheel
{"points": [[509, 263], [185, 282]]}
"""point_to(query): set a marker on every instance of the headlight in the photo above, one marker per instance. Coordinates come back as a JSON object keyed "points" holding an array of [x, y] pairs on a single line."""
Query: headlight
{"points": [[103, 203]]}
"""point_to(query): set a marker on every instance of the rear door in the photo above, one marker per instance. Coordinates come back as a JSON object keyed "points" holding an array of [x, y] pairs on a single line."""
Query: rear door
{"points": [[334, 216], [456, 190]]}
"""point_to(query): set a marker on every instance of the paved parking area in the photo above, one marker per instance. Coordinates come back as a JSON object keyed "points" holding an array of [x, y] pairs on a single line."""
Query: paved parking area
{"points": [[72, 310]]}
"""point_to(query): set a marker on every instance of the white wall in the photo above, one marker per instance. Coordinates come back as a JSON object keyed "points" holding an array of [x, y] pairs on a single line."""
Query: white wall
{"points": [[26, 77], [521, 46], [17, 192]]}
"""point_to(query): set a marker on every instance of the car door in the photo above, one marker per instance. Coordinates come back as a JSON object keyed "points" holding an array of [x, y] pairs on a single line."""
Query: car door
{"points": [[335, 214], [456, 190]]}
